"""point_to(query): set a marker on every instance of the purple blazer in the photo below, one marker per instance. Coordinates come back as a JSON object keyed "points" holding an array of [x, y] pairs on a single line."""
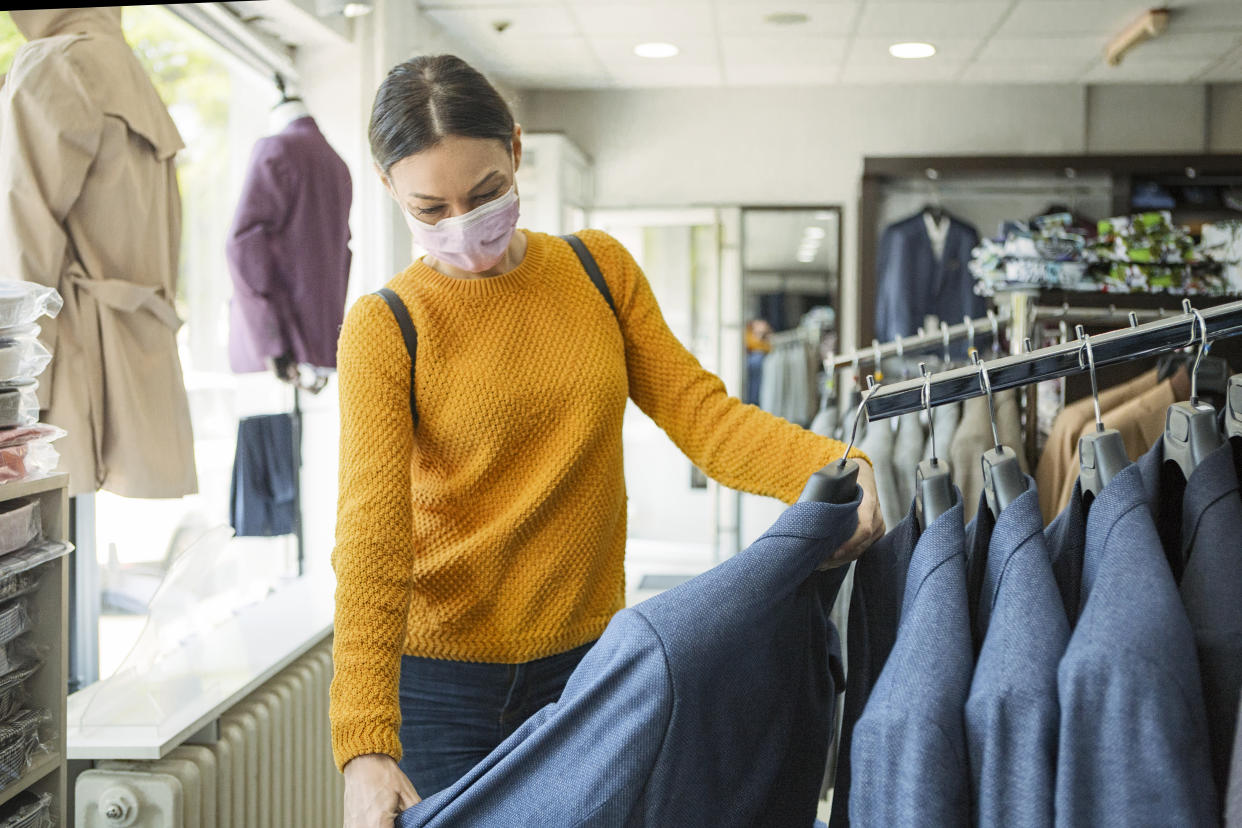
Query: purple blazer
{"points": [[288, 251]]}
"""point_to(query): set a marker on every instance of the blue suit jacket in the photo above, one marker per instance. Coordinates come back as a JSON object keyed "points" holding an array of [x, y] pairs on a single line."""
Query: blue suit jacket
{"points": [[911, 282], [1133, 746], [875, 611], [1210, 552], [1012, 715], [708, 705], [909, 753], [1065, 537]]}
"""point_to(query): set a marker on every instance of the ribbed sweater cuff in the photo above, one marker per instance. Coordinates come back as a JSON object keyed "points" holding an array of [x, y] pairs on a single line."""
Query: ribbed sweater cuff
{"points": [[348, 742]]}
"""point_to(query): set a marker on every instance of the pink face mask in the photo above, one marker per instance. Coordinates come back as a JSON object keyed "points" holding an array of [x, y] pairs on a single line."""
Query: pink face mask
{"points": [[473, 242]]}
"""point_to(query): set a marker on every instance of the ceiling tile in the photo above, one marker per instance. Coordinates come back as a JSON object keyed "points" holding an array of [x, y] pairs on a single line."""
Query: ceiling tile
{"points": [[778, 74], [1058, 72], [478, 25], [656, 76], [428, 5], [1227, 71], [875, 50], [793, 51], [906, 71], [648, 20], [1180, 70], [928, 19], [747, 18], [1046, 50], [1205, 15], [1071, 17], [558, 55], [1199, 44]]}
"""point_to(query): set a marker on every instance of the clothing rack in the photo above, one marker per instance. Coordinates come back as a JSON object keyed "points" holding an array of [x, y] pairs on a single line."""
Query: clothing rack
{"points": [[1150, 339]]}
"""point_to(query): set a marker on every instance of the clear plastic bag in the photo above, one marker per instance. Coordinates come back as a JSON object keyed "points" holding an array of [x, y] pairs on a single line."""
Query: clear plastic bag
{"points": [[14, 620], [18, 574], [21, 522], [22, 355], [22, 303], [28, 810], [19, 403], [20, 743], [28, 461], [13, 695]]}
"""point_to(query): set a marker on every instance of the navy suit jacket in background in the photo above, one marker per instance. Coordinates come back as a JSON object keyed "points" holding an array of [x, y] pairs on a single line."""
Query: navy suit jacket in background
{"points": [[911, 282], [710, 704], [1133, 746]]}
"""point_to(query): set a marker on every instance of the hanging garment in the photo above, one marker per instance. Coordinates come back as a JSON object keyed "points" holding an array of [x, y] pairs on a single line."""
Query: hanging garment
{"points": [[875, 610], [1012, 715], [907, 452], [912, 282], [628, 744], [772, 392], [288, 251], [974, 436], [1057, 464], [825, 423], [1065, 539], [1233, 809], [263, 499], [1140, 421], [1208, 523], [754, 375], [1133, 746], [978, 545], [908, 758], [944, 420], [87, 159], [877, 444]]}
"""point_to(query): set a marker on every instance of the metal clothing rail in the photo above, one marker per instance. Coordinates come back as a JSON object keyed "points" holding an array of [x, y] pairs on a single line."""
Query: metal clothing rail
{"points": [[1150, 339]]}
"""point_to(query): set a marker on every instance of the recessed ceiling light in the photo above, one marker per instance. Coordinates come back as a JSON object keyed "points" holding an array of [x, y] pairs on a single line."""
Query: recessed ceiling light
{"points": [[656, 50], [911, 51], [785, 18], [814, 232], [806, 259]]}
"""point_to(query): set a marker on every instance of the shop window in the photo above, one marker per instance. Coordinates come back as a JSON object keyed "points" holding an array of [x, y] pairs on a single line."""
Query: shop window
{"points": [[221, 107]]}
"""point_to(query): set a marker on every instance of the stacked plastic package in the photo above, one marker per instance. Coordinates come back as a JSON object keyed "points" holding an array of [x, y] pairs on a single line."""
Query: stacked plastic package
{"points": [[26, 449], [1145, 253]]}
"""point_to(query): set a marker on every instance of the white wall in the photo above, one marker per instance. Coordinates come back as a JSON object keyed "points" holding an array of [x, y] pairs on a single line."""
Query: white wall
{"points": [[678, 147]]}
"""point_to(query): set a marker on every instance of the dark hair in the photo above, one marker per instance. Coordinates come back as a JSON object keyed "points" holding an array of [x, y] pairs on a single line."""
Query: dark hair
{"points": [[429, 97]]}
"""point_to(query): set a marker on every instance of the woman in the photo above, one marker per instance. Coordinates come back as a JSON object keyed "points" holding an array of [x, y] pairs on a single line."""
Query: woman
{"points": [[480, 549]]}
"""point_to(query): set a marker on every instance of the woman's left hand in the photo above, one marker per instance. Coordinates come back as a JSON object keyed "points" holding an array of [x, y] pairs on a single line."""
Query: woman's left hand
{"points": [[870, 522]]}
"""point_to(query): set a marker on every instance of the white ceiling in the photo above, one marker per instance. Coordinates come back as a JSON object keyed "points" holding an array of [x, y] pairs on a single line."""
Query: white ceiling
{"points": [[771, 239], [589, 43]]}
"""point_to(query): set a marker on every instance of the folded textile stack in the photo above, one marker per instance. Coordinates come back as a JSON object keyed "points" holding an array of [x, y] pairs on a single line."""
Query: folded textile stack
{"points": [[1148, 253], [26, 449], [1049, 251], [1145, 252]]}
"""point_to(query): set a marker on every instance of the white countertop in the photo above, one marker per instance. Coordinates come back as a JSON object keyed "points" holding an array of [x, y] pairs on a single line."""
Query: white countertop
{"points": [[207, 677]]}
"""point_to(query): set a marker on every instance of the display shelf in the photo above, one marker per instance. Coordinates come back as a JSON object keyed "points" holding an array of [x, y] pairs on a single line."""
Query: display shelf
{"points": [[50, 635]]}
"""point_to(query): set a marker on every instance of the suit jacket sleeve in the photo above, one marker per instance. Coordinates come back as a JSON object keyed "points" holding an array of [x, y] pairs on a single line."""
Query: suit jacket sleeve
{"points": [[740, 446], [252, 253]]}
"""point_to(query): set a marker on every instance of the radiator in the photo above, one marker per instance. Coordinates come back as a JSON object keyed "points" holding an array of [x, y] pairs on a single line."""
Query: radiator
{"points": [[271, 767]]}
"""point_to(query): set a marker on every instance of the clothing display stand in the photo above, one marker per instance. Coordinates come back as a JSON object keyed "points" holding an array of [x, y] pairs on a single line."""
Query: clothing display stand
{"points": [[49, 606]]}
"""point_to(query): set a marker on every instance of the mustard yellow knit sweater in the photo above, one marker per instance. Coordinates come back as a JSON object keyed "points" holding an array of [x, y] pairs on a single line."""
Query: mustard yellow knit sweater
{"points": [[495, 531]]}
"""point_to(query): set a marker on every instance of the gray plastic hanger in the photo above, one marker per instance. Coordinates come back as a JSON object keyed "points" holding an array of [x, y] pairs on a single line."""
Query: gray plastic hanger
{"points": [[1102, 454], [933, 481], [1003, 480], [1233, 411], [837, 482], [1190, 430]]}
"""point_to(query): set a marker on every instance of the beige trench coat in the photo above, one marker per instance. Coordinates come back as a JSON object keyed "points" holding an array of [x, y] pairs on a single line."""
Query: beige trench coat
{"points": [[93, 209]]}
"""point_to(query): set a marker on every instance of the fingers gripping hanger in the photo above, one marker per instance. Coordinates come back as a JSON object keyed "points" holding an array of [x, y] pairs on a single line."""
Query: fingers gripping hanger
{"points": [[933, 480], [1101, 455], [1190, 431], [1003, 479], [837, 482]]}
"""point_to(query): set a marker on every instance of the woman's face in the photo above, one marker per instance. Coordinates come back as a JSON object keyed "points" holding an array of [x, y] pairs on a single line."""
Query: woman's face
{"points": [[454, 177]]}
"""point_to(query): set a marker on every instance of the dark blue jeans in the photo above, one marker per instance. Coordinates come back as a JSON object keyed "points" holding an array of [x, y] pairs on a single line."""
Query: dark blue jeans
{"points": [[454, 713]]}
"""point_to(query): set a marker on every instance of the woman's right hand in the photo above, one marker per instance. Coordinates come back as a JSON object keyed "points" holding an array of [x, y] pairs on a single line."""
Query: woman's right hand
{"points": [[376, 791]]}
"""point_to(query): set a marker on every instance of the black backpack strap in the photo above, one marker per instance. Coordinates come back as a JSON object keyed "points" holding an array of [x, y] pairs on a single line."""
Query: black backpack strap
{"points": [[410, 335], [592, 268]]}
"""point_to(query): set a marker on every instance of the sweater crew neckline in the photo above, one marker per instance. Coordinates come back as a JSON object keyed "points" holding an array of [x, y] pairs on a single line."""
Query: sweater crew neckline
{"points": [[532, 262]]}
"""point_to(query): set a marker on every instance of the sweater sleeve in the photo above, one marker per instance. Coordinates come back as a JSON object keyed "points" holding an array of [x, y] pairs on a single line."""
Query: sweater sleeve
{"points": [[740, 446], [373, 556]]}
